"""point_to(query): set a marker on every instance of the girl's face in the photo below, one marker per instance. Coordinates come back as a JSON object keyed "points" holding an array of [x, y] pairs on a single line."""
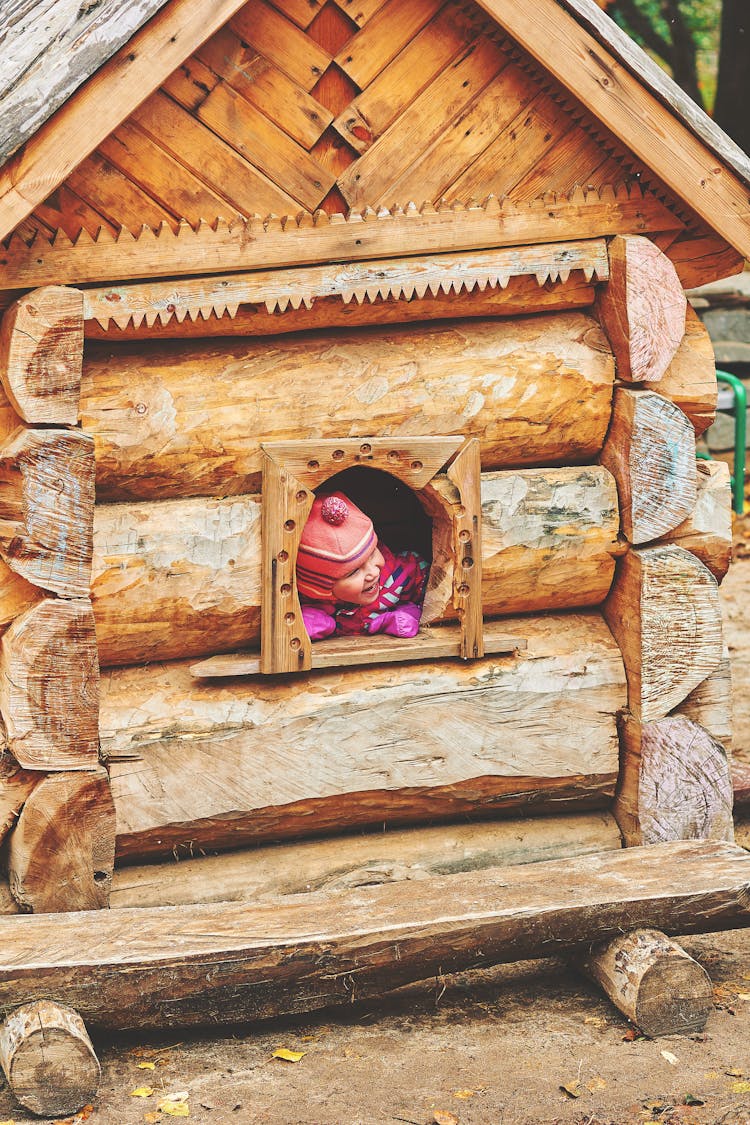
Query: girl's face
{"points": [[362, 585]]}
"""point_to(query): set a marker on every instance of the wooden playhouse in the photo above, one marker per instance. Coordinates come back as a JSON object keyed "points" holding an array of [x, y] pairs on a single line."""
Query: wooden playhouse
{"points": [[436, 250]]}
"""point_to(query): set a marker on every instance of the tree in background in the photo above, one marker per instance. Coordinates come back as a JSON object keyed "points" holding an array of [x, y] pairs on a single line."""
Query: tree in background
{"points": [[705, 45]]}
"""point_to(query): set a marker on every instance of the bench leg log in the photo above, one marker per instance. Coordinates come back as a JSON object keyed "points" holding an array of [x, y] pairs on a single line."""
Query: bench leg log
{"points": [[48, 1059], [653, 981]]}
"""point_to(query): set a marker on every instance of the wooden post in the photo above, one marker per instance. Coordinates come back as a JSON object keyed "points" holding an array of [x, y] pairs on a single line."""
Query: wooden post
{"points": [[653, 981], [48, 1059]]}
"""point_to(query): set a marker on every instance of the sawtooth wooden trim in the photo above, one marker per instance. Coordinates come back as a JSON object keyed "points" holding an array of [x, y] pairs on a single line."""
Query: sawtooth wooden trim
{"points": [[450, 274], [98, 107], [608, 90], [306, 239]]}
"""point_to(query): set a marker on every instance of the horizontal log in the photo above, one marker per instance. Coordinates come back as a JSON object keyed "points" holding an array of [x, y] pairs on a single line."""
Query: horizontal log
{"points": [[522, 296], [707, 531], [360, 861], [182, 578], [232, 962], [176, 420], [16, 785], [215, 764], [710, 703], [690, 380]]}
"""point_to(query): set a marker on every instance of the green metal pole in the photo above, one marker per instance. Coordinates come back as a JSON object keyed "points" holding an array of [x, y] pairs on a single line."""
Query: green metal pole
{"points": [[740, 437]]}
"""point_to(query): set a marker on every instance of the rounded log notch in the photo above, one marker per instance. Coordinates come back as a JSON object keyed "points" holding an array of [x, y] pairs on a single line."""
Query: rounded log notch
{"points": [[48, 1059]]}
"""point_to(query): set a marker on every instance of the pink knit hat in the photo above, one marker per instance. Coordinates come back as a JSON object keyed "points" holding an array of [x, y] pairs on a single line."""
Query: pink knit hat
{"points": [[338, 536]]}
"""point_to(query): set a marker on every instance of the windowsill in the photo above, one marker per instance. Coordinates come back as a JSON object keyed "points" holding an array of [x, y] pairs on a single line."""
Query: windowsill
{"points": [[432, 642]]}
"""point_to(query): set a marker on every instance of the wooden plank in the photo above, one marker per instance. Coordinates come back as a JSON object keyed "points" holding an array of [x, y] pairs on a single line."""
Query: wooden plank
{"points": [[222, 762], [280, 41], [431, 643], [642, 309], [265, 86], [383, 36], [99, 106], [65, 210], [665, 614], [524, 295], [49, 48], [49, 686], [572, 161], [465, 139], [46, 508], [301, 12], [465, 474], [118, 199], [155, 171], [182, 577], [209, 158], [286, 503], [414, 461], [650, 451], [249, 132], [307, 240], [41, 355], [371, 939], [636, 117], [360, 10], [423, 120], [302, 388], [449, 274], [420, 62]]}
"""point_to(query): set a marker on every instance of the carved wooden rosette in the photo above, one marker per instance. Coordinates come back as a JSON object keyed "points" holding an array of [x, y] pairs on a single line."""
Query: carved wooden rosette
{"points": [[49, 671], [291, 470]]}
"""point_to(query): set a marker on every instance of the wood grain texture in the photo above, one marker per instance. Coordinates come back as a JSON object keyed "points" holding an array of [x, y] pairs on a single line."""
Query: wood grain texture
{"points": [[665, 614], [49, 686], [328, 949], [366, 860], [46, 508], [654, 982], [181, 578], [650, 451], [16, 594], [15, 786], [303, 239], [642, 309], [41, 355], [707, 531], [98, 107], [189, 419], [690, 379], [638, 119], [50, 48], [61, 852], [675, 783], [710, 704], [48, 1059], [394, 743]]}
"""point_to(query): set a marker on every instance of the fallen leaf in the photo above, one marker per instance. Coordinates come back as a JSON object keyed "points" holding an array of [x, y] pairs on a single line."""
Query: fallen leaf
{"points": [[10, 1121], [595, 1084], [151, 1117], [572, 1089], [740, 1087], [288, 1056], [671, 1059], [174, 1109], [596, 1021], [83, 1114], [444, 1117], [142, 1092], [632, 1034], [464, 1093], [734, 1073], [146, 1066], [690, 1099]]}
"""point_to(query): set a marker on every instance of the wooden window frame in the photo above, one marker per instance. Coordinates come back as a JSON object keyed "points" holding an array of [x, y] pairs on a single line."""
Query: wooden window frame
{"points": [[292, 470]]}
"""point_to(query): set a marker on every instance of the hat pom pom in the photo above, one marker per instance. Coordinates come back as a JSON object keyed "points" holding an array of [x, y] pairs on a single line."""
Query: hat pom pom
{"points": [[334, 510]]}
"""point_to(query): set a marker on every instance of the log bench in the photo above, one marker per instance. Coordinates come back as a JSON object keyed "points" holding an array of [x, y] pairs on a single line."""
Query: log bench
{"points": [[220, 963]]}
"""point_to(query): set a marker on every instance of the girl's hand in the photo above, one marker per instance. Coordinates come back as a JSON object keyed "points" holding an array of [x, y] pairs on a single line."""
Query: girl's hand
{"points": [[318, 623], [403, 621]]}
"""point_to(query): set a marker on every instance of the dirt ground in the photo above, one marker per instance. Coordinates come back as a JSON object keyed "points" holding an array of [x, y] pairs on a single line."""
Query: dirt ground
{"points": [[488, 1048]]}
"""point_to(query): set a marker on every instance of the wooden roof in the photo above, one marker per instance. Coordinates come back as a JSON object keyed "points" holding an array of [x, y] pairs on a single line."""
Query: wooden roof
{"points": [[294, 106]]}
